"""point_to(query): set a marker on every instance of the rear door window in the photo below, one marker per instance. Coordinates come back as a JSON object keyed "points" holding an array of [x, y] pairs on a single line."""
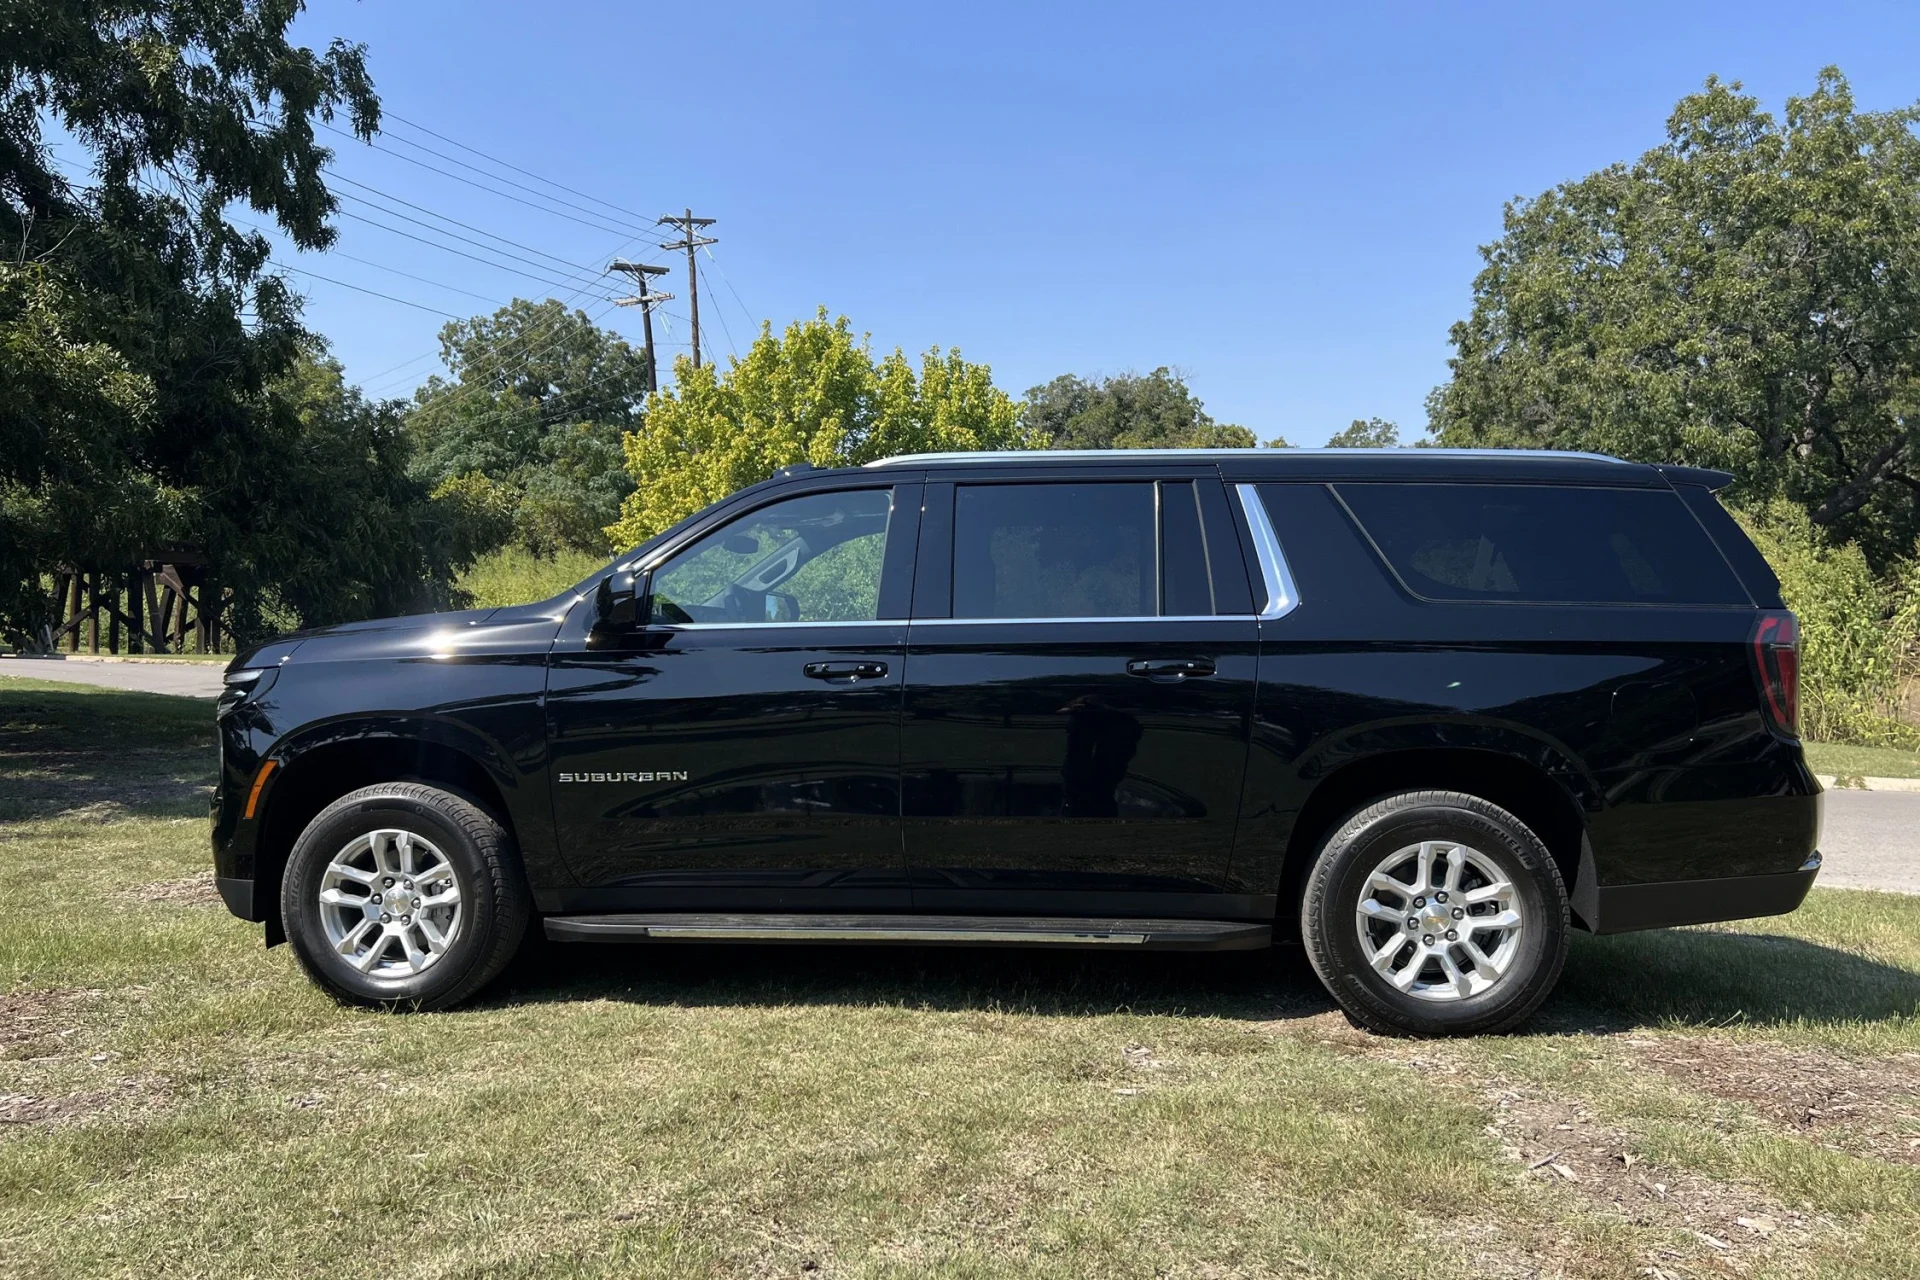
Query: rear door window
{"points": [[1054, 551], [1543, 543]]}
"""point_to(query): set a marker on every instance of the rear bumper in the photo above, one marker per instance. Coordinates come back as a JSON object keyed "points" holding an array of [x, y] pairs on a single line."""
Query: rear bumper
{"points": [[1625, 908]]}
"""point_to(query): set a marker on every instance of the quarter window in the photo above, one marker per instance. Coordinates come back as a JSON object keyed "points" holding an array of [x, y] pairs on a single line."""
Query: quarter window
{"points": [[1558, 543], [811, 559]]}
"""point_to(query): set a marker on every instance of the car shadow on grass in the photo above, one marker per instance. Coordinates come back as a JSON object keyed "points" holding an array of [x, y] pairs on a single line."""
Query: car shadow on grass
{"points": [[101, 754], [1702, 978], [1664, 978]]}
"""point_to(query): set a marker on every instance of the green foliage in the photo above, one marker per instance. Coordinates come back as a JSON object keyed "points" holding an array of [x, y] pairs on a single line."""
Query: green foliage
{"points": [[538, 401], [124, 307], [476, 515], [1367, 433], [513, 575], [71, 417], [1745, 296], [1127, 411], [814, 394], [341, 532], [1857, 631]]}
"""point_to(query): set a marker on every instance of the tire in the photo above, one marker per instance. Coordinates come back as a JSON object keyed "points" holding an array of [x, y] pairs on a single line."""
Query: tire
{"points": [[373, 841], [1498, 976]]}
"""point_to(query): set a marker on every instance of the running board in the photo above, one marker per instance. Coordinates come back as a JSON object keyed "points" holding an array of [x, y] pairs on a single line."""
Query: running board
{"points": [[955, 931]]}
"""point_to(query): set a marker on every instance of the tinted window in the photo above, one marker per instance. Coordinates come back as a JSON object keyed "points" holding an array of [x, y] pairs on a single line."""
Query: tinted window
{"points": [[1053, 551], [1186, 588], [811, 559], [1544, 542]]}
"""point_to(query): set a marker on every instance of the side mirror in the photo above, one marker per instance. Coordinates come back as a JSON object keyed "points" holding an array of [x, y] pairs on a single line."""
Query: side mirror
{"points": [[616, 606]]}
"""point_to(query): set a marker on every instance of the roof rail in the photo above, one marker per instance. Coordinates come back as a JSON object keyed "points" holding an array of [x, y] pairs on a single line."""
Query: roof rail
{"points": [[1036, 455]]}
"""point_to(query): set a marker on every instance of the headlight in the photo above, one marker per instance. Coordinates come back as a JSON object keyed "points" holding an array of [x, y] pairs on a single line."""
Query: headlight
{"points": [[247, 682]]}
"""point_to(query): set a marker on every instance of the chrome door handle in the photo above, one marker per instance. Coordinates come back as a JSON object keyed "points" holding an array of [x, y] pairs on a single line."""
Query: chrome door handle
{"points": [[845, 672], [1170, 668]]}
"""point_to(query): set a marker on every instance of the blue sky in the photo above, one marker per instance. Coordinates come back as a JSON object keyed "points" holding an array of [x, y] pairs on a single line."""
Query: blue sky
{"points": [[1285, 203]]}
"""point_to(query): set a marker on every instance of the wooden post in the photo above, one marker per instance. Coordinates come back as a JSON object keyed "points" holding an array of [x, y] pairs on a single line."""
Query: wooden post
{"points": [[156, 621], [136, 637], [73, 612], [113, 613], [59, 603]]}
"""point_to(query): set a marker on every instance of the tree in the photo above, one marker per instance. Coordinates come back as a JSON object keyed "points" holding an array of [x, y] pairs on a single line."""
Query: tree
{"points": [[1745, 296], [814, 394], [127, 283], [1367, 433], [537, 404], [1126, 411], [343, 531]]}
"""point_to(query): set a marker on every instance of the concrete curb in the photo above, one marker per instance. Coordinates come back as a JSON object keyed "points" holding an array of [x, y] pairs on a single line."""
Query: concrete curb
{"points": [[159, 659], [1857, 782]]}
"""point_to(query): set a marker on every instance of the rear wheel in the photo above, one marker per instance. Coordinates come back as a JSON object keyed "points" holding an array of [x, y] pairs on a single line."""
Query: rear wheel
{"points": [[401, 895], [1436, 913]]}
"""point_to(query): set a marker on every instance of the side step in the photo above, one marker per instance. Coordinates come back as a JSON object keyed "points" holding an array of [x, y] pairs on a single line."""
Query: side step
{"points": [[953, 931]]}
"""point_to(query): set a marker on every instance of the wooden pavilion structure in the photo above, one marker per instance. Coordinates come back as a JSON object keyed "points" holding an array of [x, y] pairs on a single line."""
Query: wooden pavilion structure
{"points": [[166, 603]]}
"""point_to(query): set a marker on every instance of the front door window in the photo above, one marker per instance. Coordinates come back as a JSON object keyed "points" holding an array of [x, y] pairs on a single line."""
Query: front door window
{"points": [[811, 559]]}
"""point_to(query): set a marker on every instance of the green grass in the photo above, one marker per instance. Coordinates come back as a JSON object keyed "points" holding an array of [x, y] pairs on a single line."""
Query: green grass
{"points": [[1862, 762], [184, 1102]]}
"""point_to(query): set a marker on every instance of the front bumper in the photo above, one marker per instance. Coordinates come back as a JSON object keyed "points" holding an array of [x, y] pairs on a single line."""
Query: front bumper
{"points": [[238, 895], [1628, 907]]}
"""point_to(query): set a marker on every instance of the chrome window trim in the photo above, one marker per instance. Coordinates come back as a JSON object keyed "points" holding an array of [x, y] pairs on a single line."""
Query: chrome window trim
{"points": [[1282, 597], [950, 622], [1122, 617], [764, 626]]}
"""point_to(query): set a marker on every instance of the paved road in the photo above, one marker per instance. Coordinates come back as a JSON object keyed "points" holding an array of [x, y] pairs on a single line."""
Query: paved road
{"points": [[188, 679], [1871, 839]]}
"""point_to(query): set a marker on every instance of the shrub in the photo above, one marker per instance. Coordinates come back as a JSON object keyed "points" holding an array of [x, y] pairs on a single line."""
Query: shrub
{"points": [[514, 575], [1857, 632]]}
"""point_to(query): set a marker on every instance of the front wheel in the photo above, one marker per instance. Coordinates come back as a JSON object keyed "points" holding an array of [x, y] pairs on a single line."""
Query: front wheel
{"points": [[404, 896], [1436, 913]]}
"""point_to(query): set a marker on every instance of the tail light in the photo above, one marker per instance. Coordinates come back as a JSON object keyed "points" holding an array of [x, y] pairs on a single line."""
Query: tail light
{"points": [[1776, 664]]}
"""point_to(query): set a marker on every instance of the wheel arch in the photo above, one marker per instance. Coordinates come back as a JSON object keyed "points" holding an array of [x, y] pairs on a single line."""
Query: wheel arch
{"points": [[319, 770], [1518, 785]]}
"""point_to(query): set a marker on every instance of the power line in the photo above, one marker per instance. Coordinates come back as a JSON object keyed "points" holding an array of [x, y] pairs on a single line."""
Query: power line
{"points": [[745, 310], [504, 195], [731, 349], [418, 306], [386, 114], [547, 279], [520, 186], [381, 266], [572, 267]]}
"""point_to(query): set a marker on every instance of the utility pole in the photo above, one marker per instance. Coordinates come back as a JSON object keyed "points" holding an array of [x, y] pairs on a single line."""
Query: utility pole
{"points": [[692, 241], [646, 302]]}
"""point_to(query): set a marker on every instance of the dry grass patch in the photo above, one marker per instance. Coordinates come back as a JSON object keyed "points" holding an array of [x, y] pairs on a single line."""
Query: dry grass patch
{"points": [[1866, 1106]]}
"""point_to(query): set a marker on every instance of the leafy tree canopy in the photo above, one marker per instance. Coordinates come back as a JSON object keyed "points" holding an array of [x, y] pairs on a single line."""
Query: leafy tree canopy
{"points": [[1367, 433], [1127, 411], [123, 301], [1745, 295], [813, 394], [535, 408], [345, 533]]}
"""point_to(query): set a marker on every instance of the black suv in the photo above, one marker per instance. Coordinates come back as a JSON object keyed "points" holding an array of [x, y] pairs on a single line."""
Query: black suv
{"points": [[1419, 710]]}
